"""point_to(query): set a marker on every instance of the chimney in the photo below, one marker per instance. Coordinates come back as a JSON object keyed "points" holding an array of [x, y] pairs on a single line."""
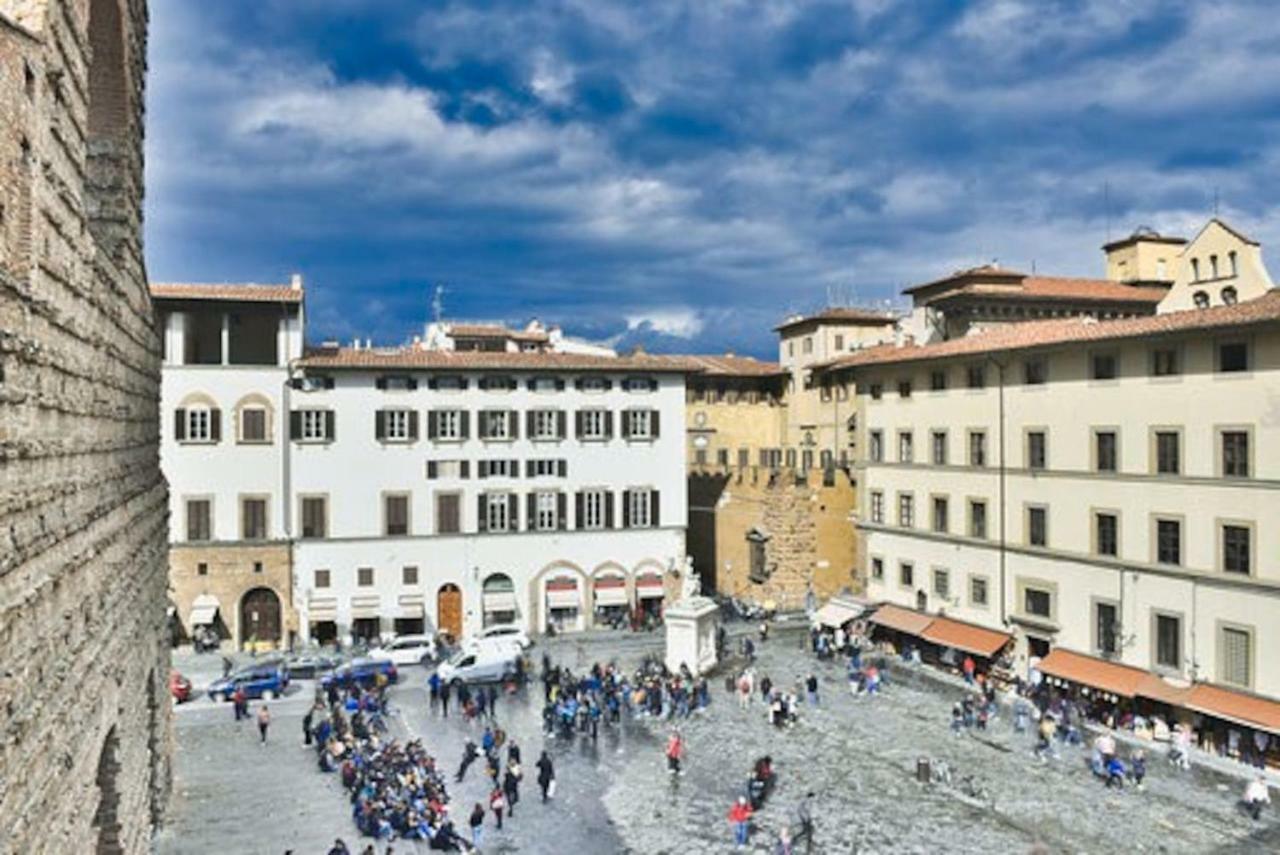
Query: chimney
{"points": [[295, 281]]}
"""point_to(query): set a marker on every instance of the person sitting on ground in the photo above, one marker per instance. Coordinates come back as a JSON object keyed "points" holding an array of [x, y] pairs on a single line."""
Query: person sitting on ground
{"points": [[1256, 795], [1115, 773]]}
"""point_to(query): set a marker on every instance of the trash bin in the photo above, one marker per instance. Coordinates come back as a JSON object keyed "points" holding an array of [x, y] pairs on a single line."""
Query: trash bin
{"points": [[922, 770]]}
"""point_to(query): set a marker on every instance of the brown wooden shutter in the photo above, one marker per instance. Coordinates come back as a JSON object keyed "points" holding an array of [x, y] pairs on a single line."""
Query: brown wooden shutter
{"points": [[215, 425], [562, 518], [626, 425], [513, 423], [528, 469], [380, 424], [579, 509], [413, 424], [482, 424], [433, 424], [626, 509], [562, 468], [654, 509], [653, 423], [561, 423], [179, 424], [513, 512], [577, 423], [608, 509], [295, 424], [608, 424], [482, 519], [433, 469], [528, 424], [482, 469], [465, 469], [330, 425], [464, 424], [513, 466], [531, 503]]}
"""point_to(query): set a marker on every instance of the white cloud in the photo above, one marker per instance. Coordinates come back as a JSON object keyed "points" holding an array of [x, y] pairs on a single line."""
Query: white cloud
{"points": [[678, 321]]}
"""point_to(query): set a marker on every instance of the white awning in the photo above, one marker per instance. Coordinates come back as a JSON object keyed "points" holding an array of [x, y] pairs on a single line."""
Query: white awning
{"points": [[322, 609], [500, 601], [366, 607], [650, 588], [613, 595], [204, 615], [838, 613], [564, 599], [410, 610]]}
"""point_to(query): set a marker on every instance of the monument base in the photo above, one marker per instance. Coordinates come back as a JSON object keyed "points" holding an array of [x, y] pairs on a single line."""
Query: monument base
{"points": [[691, 634]]}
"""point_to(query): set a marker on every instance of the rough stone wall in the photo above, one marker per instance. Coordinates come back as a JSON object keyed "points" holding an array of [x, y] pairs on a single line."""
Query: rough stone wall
{"points": [[811, 537], [84, 707], [230, 575]]}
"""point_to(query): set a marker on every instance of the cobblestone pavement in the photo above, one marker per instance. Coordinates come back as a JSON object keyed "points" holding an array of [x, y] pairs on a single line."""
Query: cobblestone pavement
{"points": [[857, 754]]}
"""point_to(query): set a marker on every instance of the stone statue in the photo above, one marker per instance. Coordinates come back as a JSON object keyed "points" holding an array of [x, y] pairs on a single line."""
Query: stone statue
{"points": [[691, 582]]}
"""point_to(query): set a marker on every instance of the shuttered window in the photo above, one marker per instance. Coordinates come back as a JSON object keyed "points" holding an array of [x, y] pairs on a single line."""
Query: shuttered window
{"points": [[1235, 657], [315, 515], [199, 519], [253, 519], [396, 515]]}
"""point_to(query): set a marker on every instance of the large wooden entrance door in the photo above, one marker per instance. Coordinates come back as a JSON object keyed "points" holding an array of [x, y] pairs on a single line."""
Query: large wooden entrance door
{"points": [[260, 616], [449, 611]]}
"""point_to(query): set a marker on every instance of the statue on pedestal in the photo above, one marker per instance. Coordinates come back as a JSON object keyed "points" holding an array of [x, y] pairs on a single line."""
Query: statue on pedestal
{"points": [[690, 582]]}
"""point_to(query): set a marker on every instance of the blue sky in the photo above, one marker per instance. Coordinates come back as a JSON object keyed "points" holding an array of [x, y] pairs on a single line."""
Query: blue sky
{"points": [[684, 174]]}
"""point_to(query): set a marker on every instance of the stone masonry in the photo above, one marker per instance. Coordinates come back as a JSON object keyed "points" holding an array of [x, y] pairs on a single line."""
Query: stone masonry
{"points": [[84, 707]]}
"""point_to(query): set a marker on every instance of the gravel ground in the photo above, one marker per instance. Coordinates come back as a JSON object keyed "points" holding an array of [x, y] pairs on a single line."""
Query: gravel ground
{"points": [[857, 754]]}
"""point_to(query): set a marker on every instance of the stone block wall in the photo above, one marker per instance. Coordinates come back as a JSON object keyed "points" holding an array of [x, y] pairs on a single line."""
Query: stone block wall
{"points": [[84, 706], [229, 575]]}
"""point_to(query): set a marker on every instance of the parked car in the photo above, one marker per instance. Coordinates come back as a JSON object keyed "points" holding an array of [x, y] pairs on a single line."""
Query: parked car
{"points": [[503, 631], [407, 650], [489, 662], [179, 687], [363, 671], [264, 680], [305, 666]]}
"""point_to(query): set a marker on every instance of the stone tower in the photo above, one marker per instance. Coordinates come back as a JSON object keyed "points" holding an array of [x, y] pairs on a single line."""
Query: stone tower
{"points": [[84, 706]]}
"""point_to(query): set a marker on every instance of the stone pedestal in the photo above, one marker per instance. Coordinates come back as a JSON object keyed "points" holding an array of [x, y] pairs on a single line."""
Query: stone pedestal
{"points": [[691, 634]]}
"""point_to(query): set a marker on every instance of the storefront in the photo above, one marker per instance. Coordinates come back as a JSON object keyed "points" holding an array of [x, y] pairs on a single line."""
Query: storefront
{"points": [[366, 619], [499, 600], [649, 594], [563, 600], [609, 589], [410, 616]]}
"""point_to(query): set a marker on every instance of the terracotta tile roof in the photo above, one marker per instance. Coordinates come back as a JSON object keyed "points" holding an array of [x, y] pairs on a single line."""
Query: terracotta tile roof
{"points": [[735, 366], [493, 331], [965, 636], [1064, 288], [982, 271], [1037, 334], [1249, 710], [453, 360], [840, 314], [903, 620], [244, 293]]}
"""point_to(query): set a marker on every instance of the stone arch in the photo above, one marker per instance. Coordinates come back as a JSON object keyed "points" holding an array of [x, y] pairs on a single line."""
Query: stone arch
{"points": [[649, 595], [539, 594], [197, 399], [611, 595], [254, 400], [260, 616], [113, 173], [106, 819], [498, 601]]}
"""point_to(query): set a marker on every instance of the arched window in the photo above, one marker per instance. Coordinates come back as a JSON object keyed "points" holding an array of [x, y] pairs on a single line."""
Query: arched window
{"points": [[1233, 262], [254, 419], [1202, 299], [1229, 296], [1195, 270]]}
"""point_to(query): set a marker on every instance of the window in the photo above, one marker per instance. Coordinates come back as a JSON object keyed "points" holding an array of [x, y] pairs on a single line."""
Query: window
{"points": [[593, 508], [1235, 549], [940, 514], [546, 507], [1035, 372], [977, 518], [1105, 451], [1169, 541], [253, 424], [875, 446], [808, 344], [938, 380], [1237, 665], [547, 468], [1105, 624], [322, 578], [199, 519], [1233, 356], [498, 468], [448, 469], [791, 348], [1037, 526], [315, 516], [1213, 267], [546, 424], [1233, 263], [938, 440], [1036, 449], [394, 425], [257, 567], [639, 424], [594, 424], [496, 424], [496, 508], [1201, 299], [639, 384], [595, 384], [978, 590], [1106, 534], [1038, 602], [941, 583], [548, 384], [906, 574], [448, 513], [198, 424], [976, 376], [977, 448], [906, 510], [1195, 270], [408, 575], [364, 577], [313, 425], [722, 457], [1104, 366], [904, 388], [744, 458], [497, 383], [1168, 641], [1229, 296], [446, 425], [877, 506], [395, 515], [202, 569], [253, 519], [1235, 454], [906, 446], [1167, 457], [839, 342], [640, 508], [1165, 362], [877, 391]]}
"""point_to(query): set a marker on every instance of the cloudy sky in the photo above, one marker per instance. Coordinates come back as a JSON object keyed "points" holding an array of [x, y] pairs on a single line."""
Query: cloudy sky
{"points": [[684, 174]]}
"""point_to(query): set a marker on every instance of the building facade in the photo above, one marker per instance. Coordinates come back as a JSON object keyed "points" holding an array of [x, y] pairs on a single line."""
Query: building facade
{"points": [[1100, 486], [83, 667]]}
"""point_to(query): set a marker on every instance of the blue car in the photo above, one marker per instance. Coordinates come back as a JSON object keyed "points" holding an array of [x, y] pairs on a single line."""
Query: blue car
{"points": [[265, 680], [362, 671]]}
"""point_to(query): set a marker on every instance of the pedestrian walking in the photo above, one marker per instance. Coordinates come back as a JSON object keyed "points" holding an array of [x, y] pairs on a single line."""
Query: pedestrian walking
{"points": [[511, 788], [308, 720], [445, 689], [497, 804], [469, 755], [740, 819], [477, 825], [804, 823], [513, 752], [546, 776], [969, 668], [1138, 767], [264, 721], [675, 752], [433, 685], [811, 688], [784, 845], [241, 703]]}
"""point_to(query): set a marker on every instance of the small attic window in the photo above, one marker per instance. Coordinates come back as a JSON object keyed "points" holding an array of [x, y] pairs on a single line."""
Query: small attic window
{"points": [[1202, 299], [1233, 262], [1195, 270], [1229, 296]]}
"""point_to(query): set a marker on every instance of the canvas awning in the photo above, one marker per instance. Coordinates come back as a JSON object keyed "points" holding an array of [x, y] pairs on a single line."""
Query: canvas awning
{"points": [[836, 613], [649, 587], [410, 610], [499, 601], [563, 597], [1239, 707], [611, 595], [903, 620], [1121, 680], [204, 610], [365, 607], [322, 609], [965, 636]]}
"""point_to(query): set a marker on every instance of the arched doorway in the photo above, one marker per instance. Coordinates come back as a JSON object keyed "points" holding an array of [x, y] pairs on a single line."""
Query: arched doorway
{"points": [[562, 599], [612, 607], [449, 610], [105, 819], [260, 617], [650, 593], [499, 600]]}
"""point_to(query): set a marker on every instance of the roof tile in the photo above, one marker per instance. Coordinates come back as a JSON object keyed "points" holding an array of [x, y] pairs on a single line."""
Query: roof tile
{"points": [[237, 292]]}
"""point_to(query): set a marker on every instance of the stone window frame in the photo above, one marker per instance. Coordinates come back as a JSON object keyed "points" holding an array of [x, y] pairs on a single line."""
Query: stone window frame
{"points": [[360, 577], [907, 444], [404, 576], [1156, 666], [1220, 628], [1021, 584], [199, 402], [986, 517], [1094, 513], [435, 511], [328, 578], [383, 498], [934, 434], [1027, 433], [1220, 451], [908, 519], [873, 562], [875, 446], [933, 513], [1095, 642], [211, 500], [1179, 359], [255, 401], [1250, 356], [910, 567], [265, 498], [1153, 449], [1094, 432], [328, 515], [986, 581], [1220, 560], [1156, 518], [875, 506], [1027, 508], [1117, 366], [971, 434], [942, 592]]}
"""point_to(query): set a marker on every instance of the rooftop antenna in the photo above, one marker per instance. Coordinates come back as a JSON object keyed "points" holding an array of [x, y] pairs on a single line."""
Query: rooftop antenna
{"points": [[437, 303]]}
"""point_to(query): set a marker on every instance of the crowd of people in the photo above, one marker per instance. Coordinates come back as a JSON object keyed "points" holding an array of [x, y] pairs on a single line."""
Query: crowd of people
{"points": [[605, 693]]}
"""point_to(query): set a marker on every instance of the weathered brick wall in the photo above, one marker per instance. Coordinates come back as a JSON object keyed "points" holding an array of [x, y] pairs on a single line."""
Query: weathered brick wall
{"points": [[84, 706]]}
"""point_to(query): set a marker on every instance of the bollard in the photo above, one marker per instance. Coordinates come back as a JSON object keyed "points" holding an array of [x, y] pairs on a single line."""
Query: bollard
{"points": [[922, 770]]}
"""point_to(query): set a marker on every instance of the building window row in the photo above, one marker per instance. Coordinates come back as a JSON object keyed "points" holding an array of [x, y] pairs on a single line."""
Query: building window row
{"points": [[399, 425]]}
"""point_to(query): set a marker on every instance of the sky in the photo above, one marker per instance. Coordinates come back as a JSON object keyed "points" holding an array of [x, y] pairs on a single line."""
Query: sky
{"points": [[683, 175]]}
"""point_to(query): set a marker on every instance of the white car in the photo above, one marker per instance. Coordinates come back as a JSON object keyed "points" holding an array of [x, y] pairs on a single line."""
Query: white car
{"points": [[509, 632], [487, 663], [407, 650]]}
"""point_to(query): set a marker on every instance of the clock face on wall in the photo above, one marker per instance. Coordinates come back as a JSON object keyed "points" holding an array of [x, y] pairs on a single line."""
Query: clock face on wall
{"points": [[699, 442], [700, 419]]}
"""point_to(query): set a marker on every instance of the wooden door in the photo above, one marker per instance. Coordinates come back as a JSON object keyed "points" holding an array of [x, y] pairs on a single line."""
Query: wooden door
{"points": [[260, 616], [449, 611]]}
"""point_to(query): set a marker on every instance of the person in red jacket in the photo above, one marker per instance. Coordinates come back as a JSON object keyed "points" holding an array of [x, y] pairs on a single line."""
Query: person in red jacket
{"points": [[675, 752], [969, 667], [740, 817]]}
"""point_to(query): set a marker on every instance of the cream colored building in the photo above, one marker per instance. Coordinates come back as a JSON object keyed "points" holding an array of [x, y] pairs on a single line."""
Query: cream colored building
{"points": [[1106, 486]]}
